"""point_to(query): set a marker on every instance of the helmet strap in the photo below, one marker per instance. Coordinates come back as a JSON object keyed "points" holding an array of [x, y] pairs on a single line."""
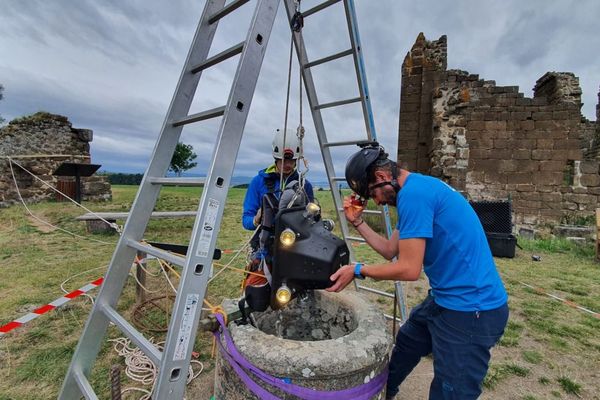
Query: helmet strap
{"points": [[394, 183]]}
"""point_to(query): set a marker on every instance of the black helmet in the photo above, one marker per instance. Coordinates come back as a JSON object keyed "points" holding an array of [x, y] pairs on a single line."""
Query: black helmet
{"points": [[358, 165]]}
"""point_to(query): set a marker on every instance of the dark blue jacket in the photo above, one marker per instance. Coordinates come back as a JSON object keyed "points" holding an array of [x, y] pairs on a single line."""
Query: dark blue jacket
{"points": [[258, 188]]}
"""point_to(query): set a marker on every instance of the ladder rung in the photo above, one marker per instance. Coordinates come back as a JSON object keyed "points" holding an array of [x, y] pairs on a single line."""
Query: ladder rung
{"points": [[208, 114], [319, 7], [329, 58], [217, 58], [231, 7], [337, 103], [376, 291], [178, 181], [342, 143], [388, 316], [356, 239], [378, 212], [338, 178], [158, 253], [84, 385], [137, 338]]}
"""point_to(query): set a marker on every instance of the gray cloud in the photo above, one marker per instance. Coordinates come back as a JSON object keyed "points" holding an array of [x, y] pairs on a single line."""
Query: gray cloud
{"points": [[112, 66]]}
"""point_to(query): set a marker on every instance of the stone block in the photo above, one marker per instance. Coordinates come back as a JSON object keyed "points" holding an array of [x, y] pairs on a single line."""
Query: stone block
{"points": [[567, 144], [541, 116], [495, 125], [526, 165], [527, 187], [501, 154], [527, 125], [553, 166], [545, 144], [501, 144], [518, 178], [476, 125], [541, 154], [558, 115], [590, 179], [520, 115], [589, 167]]}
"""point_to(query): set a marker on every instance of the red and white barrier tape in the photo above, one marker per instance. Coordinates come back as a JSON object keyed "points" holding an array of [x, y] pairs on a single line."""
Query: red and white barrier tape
{"points": [[49, 307], [567, 302]]}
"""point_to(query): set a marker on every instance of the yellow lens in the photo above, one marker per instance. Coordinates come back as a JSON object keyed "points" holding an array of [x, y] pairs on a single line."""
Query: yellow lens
{"points": [[283, 294], [313, 208], [287, 237]]}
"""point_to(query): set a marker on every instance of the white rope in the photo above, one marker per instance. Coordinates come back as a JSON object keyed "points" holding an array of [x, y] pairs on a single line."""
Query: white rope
{"points": [[46, 222], [11, 161], [62, 285], [139, 368], [245, 246]]}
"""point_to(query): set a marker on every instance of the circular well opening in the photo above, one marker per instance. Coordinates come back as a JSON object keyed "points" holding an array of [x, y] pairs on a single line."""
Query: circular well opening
{"points": [[310, 317]]}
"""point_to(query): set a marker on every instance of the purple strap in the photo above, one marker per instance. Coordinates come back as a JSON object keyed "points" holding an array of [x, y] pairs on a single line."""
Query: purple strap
{"points": [[240, 365]]}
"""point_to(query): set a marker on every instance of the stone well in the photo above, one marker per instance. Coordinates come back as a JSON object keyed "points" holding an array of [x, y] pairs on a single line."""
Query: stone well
{"points": [[327, 341]]}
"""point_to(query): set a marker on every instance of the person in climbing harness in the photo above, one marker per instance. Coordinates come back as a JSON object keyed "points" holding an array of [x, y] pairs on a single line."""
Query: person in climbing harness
{"points": [[278, 183], [466, 311], [268, 180]]}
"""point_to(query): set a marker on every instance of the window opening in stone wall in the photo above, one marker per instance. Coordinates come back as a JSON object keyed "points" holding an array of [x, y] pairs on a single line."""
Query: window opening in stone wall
{"points": [[569, 173]]}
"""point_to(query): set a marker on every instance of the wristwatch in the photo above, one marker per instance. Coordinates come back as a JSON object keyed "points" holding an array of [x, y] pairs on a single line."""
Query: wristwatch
{"points": [[357, 273]]}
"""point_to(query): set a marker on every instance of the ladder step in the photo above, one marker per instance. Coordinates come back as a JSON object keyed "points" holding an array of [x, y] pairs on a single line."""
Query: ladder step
{"points": [[178, 181], [343, 143], [337, 103], [158, 253], [208, 114], [319, 7], [329, 58], [391, 317], [338, 178], [84, 385], [231, 7], [137, 338], [356, 239], [377, 212], [217, 58], [376, 291]]}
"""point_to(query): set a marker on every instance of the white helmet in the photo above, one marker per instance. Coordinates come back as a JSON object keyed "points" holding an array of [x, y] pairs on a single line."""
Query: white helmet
{"points": [[292, 148]]}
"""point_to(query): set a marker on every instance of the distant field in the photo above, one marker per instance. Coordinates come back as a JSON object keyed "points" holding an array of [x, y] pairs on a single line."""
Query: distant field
{"points": [[550, 350]]}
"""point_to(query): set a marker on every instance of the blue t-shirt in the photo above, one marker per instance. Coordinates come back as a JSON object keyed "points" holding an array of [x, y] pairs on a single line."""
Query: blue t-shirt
{"points": [[458, 260]]}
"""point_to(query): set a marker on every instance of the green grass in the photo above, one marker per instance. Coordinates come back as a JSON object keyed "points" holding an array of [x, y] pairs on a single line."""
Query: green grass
{"points": [[541, 335], [499, 372], [569, 386]]}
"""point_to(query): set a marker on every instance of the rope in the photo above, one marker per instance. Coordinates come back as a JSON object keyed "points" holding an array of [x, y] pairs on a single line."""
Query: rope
{"points": [[111, 224], [38, 218], [62, 285], [139, 368], [287, 105]]}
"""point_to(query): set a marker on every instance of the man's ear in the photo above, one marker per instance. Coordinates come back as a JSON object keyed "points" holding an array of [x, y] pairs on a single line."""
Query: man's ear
{"points": [[383, 175]]}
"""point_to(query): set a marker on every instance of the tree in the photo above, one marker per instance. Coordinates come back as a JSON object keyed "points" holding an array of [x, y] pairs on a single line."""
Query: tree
{"points": [[183, 158]]}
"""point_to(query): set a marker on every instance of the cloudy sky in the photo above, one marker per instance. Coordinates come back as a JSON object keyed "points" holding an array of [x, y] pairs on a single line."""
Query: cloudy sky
{"points": [[112, 66]]}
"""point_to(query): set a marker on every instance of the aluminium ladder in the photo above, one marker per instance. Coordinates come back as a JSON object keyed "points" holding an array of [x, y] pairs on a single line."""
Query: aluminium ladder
{"points": [[174, 360], [356, 51]]}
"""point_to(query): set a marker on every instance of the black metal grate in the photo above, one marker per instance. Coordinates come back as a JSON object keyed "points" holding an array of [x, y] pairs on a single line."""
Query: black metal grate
{"points": [[495, 216]]}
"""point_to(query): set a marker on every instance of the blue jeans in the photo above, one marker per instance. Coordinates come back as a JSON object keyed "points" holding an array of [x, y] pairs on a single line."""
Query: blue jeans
{"points": [[459, 341]]}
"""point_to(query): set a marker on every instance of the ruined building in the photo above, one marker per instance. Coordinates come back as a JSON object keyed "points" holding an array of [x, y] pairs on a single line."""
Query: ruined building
{"points": [[492, 143], [40, 143]]}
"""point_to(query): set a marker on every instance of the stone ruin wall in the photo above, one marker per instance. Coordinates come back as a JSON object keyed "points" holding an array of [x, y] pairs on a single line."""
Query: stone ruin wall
{"points": [[40, 143], [493, 143]]}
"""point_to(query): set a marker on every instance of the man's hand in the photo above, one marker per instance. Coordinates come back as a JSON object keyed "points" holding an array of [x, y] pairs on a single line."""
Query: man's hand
{"points": [[342, 277], [353, 208], [257, 217]]}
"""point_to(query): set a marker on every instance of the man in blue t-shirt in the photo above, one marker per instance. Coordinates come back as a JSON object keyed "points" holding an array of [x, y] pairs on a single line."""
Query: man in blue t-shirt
{"points": [[466, 310]]}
